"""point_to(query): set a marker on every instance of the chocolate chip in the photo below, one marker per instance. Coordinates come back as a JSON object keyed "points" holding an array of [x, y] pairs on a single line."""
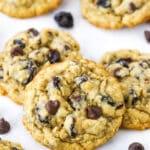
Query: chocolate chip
{"points": [[19, 43], [33, 31], [145, 63], [132, 6], [4, 126], [64, 19], [54, 57], [116, 73], [132, 97], [108, 99], [93, 112], [42, 120], [124, 61], [136, 146], [17, 51], [119, 106], [104, 3], [14, 148], [72, 129], [66, 47], [1, 73], [83, 79], [56, 82], [31, 70], [76, 98], [147, 35], [52, 107]]}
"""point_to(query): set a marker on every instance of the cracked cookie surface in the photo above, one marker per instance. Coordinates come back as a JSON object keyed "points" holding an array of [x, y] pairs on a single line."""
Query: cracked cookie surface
{"points": [[7, 145], [115, 14], [27, 8], [132, 70], [73, 105], [27, 52]]}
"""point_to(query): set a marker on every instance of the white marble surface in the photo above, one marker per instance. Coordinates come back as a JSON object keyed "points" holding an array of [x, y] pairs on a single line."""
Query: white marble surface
{"points": [[94, 42]]}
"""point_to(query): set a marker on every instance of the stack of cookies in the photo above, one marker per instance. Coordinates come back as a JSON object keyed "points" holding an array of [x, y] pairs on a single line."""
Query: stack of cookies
{"points": [[71, 102]]}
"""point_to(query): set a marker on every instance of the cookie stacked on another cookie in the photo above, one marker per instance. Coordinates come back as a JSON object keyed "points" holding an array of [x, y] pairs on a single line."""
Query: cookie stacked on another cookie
{"points": [[132, 70], [73, 105], [27, 8], [7, 145], [115, 14], [27, 52]]}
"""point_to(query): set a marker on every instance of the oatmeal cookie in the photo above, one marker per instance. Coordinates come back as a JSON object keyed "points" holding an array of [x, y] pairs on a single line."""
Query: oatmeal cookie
{"points": [[115, 14], [73, 105], [27, 52], [132, 70]]}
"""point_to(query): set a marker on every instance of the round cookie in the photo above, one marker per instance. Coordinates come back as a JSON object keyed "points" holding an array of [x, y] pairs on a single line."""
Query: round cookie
{"points": [[132, 70], [27, 52], [115, 14], [27, 8], [7, 145], [73, 105]]}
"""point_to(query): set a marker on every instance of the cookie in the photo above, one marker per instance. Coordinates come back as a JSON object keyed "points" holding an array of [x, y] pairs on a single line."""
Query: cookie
{"points": [[115, 14], [27, 8], [132, 70], [7, 145], [73, 105], [27, 52]]}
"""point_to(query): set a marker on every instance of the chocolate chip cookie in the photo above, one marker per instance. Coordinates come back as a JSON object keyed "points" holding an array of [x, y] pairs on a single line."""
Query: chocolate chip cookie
{"points": [[7, 145], [115, 14], [27, 52], [27, 8], [132, 70], [73, 105]]}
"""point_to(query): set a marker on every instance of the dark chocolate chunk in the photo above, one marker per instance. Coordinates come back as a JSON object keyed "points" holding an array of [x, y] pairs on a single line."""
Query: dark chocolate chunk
{"points": [[42, 120], [136, 146], [17, 51], [19, 43], [132, 6], [56, 82], [33, 31], [124, 61], [93, 112], [4, 126], [64, 19], [147, 35], [104, 3], [52, 107], [54, 56]]}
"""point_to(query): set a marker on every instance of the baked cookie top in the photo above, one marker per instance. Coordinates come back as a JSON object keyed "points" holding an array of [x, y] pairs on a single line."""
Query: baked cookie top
{"points": [[73, 105], [27, 52], [132, 70], [114, 14], [7, 145], [27, 8]]}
